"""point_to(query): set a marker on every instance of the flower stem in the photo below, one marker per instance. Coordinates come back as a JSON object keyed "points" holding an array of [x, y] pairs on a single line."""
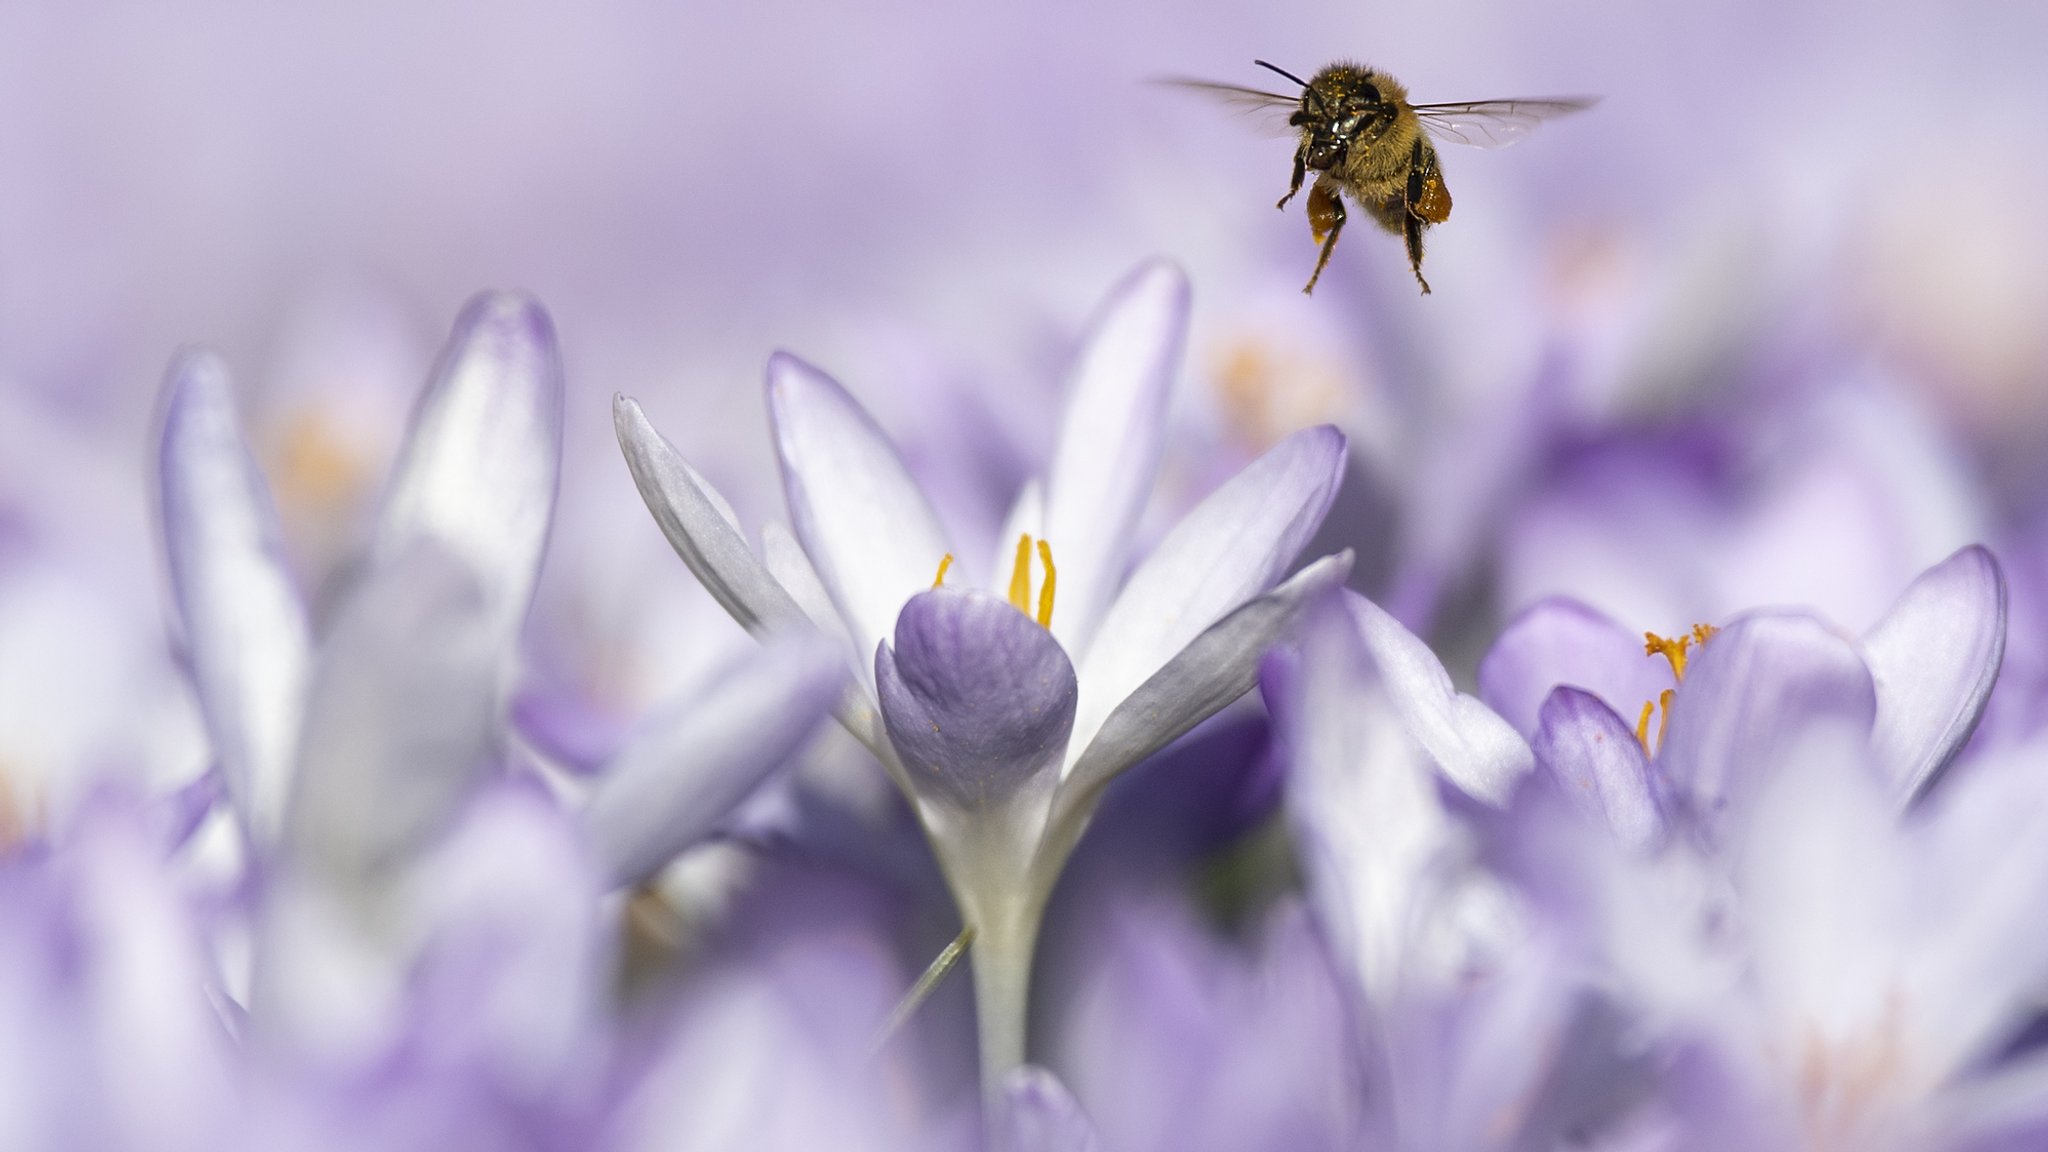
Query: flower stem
{"points": [[1005, 940]]}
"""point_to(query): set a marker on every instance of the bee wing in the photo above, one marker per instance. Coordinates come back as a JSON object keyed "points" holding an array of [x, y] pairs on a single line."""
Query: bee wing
{"points": [[1269, 109], [1493, 123]]}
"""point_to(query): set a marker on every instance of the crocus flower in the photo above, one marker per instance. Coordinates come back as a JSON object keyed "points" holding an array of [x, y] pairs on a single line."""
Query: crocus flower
{"points": [[1003, 716], [1917, 681], [1833, 936], [1475, 1030], [347, 762]]}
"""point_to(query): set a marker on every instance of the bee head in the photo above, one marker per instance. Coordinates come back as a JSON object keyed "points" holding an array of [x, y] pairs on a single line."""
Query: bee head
{"points": [[1341, 107]]}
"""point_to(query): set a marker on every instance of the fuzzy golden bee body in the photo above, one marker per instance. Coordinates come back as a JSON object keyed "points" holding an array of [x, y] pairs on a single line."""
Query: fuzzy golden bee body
{"points": [[1358, 133]]}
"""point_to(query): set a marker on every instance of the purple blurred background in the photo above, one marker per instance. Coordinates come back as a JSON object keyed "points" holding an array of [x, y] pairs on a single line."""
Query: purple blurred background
{"points": [[1761, 327]]}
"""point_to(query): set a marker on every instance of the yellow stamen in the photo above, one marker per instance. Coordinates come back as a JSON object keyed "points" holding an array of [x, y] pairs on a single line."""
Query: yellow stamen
{"points": [[1045, 590], [1020, 576], [1675, 652], [945, 562]]}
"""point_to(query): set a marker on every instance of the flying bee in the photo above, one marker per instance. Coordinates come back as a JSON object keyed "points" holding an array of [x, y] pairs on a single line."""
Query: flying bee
{"points": [[1359, 134]]}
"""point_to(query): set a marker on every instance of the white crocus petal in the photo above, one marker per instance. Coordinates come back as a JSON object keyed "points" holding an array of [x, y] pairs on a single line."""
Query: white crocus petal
{"points": [[865, 524], [790, 568], [1475, 748], [1027, 517], [1934, 658], [1232, 547], [400, 719], [692, 765], [1986, 833], [1109, 443], [1216, 668], [482, 458], [245, 626], [1375, 841], [1826, 885], [699, 527]]}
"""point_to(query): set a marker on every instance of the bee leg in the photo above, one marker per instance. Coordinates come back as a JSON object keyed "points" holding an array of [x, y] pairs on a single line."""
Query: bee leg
{"points": [[1325, 220], [1411, 231], [1300, 170], [1425, 201]]}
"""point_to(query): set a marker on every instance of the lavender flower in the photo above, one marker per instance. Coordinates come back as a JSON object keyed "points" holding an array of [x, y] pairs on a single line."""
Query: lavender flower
{"points": [[1003, 718]]}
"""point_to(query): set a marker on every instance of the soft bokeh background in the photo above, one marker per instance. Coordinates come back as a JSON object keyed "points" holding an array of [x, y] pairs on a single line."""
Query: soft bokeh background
{"points": [[1763, 327]]}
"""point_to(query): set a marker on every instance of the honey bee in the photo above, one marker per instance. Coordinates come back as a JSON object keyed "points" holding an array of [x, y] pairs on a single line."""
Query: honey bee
{"points": [[1359, 134]]}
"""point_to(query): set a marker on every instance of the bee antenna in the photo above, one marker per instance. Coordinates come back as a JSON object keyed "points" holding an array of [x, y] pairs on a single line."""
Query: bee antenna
{"points": [[1282, 71]]}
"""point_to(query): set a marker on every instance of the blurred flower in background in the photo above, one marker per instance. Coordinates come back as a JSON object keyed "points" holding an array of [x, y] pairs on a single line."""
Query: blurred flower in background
{"points": [[371, 776]]}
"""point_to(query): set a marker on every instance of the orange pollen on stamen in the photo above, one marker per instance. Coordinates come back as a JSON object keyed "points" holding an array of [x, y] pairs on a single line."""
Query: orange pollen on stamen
{"points": [[1675, 652], [945, 562]]}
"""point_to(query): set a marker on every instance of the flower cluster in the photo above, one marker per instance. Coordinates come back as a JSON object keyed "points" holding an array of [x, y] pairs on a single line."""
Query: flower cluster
{"points": [[1232, 860]]}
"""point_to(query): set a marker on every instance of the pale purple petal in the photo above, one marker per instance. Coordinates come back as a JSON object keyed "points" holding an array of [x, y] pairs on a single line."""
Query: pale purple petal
{"points": [[1040, 1115], [790, 568], [511, 980], [1379, 851], [482, 458], [688, 769], [1234, 546], [979, 699], [1472, 746], [245, 627], [867, 527], [1214, 669], [1751, 694], [694, 518], [1561, 641], [401, 716], [1109, 442], [1600, 767], [1934, 658]]}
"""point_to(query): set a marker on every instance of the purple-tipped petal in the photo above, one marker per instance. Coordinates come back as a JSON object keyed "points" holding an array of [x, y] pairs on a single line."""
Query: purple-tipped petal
{"points": [[480, 464], [691, 766], [1561, 641], [867, 527], [1751, 695], [1040, 1115], [400, 720], [1473, 747], [978, 699], [1214, 669], [1597, 763], [1233, 547], [1934, 658], [245, 627], [699, 526], [1110, 440]]}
